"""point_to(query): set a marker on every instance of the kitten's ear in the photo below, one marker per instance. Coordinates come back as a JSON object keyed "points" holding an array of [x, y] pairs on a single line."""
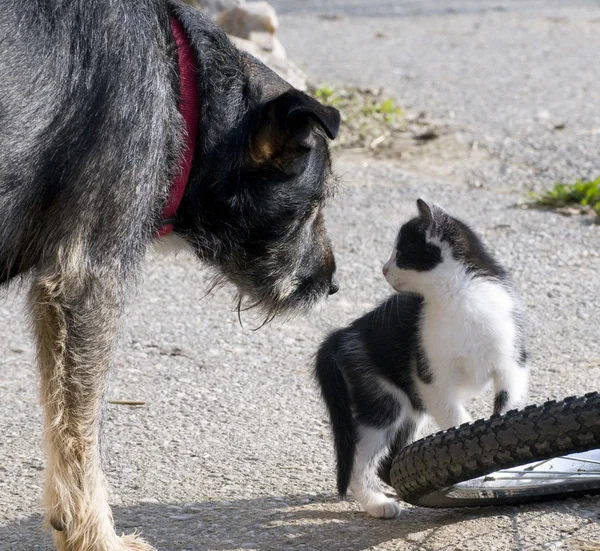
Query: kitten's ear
{"points": [[425, 212]]}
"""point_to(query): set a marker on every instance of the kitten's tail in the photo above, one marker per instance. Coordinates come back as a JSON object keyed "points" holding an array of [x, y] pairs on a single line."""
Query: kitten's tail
{"points": [[337, 398]]}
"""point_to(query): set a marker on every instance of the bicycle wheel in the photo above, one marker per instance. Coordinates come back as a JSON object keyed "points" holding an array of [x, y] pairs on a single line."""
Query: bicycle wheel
{"points": [[527, 455]]}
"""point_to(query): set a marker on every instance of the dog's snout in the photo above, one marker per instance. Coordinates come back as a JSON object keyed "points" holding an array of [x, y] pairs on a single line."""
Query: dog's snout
{"points": [[334, 285]]}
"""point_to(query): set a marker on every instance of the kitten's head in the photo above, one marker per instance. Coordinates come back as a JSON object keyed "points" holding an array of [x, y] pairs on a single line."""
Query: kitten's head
{"points": [[434, 250]]}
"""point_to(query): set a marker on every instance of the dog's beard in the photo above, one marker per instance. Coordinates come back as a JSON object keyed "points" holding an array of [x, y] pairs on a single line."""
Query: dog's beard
{"points": [[283, 296], [283, 278]]}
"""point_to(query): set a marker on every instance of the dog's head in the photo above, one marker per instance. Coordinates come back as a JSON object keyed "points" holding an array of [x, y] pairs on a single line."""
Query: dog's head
{"points": [[256, 212]]}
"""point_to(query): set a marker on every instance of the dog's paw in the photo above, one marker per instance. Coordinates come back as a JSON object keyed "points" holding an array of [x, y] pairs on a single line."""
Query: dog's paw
{"points": [[134, 543], [389, 508], [58, 518], [57, 523], [107, 542]]}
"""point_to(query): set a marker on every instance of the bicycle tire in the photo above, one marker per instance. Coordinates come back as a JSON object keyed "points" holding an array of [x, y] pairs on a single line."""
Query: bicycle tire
{"points": [[535, 433]]}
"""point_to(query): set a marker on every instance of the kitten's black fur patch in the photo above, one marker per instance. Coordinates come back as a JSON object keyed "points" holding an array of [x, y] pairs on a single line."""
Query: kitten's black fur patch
{"points": [[500, 400], [468, 249], [423, 371], [522, 356], [413, 251], [382, 342], [336, 394]]}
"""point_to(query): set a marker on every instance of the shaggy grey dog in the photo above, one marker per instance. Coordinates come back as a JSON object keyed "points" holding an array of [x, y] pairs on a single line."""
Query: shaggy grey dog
{"points": [[92, 137]]}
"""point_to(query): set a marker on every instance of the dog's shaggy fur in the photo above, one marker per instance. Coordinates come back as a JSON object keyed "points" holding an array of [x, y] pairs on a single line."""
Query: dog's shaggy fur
{"points": [[90, 140]]}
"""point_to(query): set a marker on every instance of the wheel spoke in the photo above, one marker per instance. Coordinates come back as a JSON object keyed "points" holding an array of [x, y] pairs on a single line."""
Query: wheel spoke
{"points": [[580, 459], [536, 465], [540, 475]]}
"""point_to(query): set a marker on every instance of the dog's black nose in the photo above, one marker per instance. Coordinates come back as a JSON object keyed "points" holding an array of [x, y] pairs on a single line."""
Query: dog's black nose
{"points": [[334, 286]]}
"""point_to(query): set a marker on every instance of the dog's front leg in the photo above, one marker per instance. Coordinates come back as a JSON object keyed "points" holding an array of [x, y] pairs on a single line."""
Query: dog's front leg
{"points": [[75, 316]]}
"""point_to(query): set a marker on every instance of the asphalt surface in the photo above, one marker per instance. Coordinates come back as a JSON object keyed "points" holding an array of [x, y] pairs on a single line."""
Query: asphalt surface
{"points": [[232, 449]]}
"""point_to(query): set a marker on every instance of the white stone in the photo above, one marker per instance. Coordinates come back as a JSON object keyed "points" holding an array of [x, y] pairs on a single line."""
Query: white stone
{"points": [[247, 18]]}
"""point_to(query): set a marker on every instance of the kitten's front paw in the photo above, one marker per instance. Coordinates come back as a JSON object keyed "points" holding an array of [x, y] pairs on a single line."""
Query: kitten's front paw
{"points": [[389, 508]]}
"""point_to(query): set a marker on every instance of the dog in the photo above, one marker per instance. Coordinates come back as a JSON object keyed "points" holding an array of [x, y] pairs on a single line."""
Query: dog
{"points": [[122, 123]]}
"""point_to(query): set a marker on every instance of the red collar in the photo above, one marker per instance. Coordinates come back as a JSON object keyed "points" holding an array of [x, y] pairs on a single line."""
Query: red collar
{"points": [[189, 106]]}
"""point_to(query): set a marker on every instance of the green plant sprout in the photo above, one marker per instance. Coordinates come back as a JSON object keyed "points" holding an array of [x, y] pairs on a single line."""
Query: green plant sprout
{"points": [[582, 192]]}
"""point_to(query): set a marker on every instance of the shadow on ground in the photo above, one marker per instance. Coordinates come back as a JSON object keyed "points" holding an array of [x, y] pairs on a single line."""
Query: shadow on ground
{"points": [[310, 523]]}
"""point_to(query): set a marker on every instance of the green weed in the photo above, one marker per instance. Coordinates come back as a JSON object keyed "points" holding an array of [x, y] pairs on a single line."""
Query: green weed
{"points": [[326, 95], [386, 108], [371, 120], [582, 192]]}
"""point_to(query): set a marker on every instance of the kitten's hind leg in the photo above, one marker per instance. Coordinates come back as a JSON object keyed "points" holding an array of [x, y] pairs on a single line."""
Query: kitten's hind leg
{"points": [[510, 388], [404, 436], [372, 446]]}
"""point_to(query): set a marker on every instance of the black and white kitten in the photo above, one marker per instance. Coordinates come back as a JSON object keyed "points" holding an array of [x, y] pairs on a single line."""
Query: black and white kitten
{"points": [[454, 327]]}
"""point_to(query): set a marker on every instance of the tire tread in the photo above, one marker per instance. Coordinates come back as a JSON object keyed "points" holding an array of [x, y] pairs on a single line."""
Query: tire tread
{"points": [[522, 436]]}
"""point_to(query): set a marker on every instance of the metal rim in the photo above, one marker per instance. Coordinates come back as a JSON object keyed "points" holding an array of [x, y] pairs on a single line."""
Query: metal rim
{"points": [[560, 476]]}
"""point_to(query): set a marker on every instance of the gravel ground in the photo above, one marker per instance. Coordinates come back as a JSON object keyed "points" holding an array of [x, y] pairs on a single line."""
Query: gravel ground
{"points": [[510, 72], [232, 449]]}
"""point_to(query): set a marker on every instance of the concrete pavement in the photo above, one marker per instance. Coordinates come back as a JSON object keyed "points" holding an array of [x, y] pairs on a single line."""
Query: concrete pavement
{"points": [[232, 450]]}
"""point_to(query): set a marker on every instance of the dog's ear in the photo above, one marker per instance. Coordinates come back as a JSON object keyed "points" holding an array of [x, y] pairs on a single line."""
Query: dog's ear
{"points": [[304, 110], [288, 126]]}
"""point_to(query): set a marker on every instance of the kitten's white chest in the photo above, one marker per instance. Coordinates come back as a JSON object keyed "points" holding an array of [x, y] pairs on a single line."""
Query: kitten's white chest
{"points": [[468, 334]]}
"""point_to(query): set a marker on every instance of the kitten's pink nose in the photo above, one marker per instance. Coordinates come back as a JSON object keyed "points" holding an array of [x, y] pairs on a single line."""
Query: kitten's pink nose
{"points": [[385, 271]]}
